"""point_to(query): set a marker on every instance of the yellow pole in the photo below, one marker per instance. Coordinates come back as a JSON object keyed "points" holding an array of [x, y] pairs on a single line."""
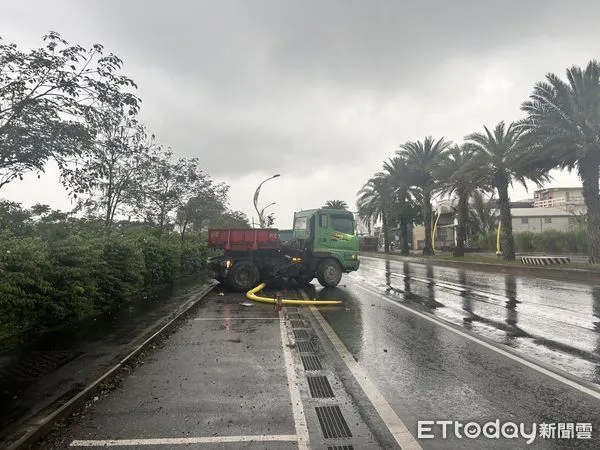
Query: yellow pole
{"points": [[437, 219], [498, 249]]}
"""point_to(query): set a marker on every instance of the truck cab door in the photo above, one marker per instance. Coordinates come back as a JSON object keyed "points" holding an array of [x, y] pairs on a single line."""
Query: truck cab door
{"points": [[311, 234]]}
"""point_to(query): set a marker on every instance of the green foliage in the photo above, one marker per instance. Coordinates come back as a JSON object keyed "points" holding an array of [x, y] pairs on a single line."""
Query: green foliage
{"points": [[551, 241], [58, 272]]}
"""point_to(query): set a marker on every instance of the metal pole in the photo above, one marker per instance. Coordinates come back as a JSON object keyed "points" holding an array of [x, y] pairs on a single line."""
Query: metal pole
{"points": [[256, 193]]}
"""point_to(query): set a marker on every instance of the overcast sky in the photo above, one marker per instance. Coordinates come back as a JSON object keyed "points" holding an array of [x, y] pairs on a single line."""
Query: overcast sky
{"points": [[319, 91]]}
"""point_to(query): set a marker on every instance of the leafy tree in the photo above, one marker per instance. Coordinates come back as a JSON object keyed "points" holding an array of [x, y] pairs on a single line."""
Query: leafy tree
{"points": [[562, 129], [207, 202], [111, 175], [231, 219], [423, 159], [166, 186], [335, 204], [501, 156], [48, 101]]}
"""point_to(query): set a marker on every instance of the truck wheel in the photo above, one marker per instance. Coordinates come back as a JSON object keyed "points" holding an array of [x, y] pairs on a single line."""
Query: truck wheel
{"points": [[304, 280], [244, 276], [329, 273]]}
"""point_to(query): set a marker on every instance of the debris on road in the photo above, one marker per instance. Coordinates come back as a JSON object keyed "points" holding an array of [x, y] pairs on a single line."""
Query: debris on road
{"points": [[247, 303]]}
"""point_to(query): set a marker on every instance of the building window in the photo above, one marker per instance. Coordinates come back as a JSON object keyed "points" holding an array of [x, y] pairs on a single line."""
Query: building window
{"points": [[547, 219], [524, 220]]}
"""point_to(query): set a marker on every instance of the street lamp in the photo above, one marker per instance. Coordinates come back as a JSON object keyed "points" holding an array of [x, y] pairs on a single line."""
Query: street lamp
{"points": [[260, 216]]}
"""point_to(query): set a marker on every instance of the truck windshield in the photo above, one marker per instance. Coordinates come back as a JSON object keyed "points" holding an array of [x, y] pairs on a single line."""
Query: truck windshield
{"points": [[300, 223], [342, 224]]}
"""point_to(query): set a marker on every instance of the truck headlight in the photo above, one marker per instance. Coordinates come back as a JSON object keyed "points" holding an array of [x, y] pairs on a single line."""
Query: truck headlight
{"points": [[227, 263]]}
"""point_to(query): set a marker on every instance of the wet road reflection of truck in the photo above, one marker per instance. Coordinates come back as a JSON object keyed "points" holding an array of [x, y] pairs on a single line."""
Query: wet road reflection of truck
{"points": [[322, 244]]}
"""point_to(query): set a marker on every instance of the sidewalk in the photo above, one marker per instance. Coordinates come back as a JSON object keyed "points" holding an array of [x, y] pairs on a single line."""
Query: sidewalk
{"points": [[47, 373]]}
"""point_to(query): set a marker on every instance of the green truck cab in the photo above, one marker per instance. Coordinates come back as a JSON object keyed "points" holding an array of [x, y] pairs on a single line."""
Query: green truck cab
{"points": [[323, 244]]}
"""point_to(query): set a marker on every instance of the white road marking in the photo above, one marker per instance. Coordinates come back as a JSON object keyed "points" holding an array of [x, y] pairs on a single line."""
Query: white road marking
{"points": [[183, 441], [297, 408], [555, 376], [238, 318], [383, 408]]}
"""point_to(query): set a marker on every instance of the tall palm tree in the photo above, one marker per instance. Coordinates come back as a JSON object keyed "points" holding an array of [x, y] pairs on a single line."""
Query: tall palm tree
{"points": [[374, 204], [501, 156], [336, 204], [482, 214], [455, 178], [405, 198], [562, 129], [423, 158]]}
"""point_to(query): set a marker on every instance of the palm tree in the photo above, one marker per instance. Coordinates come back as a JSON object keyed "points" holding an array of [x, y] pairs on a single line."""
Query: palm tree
{"points": [[336, 204], [456, 179], [501, 157], [374, 200], [423, 159], [482, 216], [562, 130], [405, 198]]}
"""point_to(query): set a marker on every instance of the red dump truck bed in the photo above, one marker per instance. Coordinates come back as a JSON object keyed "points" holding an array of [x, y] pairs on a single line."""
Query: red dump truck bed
{"points": [[243, 239]]}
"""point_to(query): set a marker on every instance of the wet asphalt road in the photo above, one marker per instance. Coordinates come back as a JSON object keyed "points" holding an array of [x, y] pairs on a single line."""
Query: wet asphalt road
{"points": [[427, 372], [223, 373]]}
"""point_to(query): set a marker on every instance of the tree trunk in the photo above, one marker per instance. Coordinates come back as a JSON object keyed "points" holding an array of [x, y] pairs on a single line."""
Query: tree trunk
{"points": [[589, 170], [507, 239], [427, 211], [404, 237], [461, 229], [386, 233]]}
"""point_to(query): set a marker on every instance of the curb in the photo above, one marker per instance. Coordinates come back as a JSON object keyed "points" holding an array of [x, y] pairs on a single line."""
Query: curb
{"points": [[563, 274], [35, 428]]}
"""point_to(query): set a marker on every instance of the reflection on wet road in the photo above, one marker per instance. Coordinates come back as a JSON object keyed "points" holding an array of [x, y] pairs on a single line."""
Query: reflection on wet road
{"points": [[554, 321], [427, 372]]}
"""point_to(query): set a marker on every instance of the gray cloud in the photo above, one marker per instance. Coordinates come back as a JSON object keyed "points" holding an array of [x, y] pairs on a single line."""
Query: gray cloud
{"points": [[321, 91]]}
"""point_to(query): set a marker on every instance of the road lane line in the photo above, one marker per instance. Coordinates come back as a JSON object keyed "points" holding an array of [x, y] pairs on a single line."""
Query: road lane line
{"points": [[290, 369], [555, 376], [238, 318], [183, 441], [400, 432]]}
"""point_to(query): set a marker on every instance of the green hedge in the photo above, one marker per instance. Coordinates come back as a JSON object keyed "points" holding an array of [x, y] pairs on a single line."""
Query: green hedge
{"points": [[551, 241], [56, 279]]}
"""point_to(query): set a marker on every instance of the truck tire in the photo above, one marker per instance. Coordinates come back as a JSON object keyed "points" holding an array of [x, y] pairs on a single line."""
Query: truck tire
{"points": [[244, 276], [329, 273], [304, 280]]}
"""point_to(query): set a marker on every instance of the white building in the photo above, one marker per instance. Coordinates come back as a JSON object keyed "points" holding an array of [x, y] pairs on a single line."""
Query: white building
{"points": [[537, 220], [559, 197]]}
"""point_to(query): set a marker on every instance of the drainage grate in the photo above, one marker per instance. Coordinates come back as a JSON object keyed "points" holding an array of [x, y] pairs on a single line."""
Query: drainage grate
{"points": [[301, 334], [305, 346], [319, 387], [296, 316], [297, 324], [332, 422], [340, 447], [311, 362]]}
